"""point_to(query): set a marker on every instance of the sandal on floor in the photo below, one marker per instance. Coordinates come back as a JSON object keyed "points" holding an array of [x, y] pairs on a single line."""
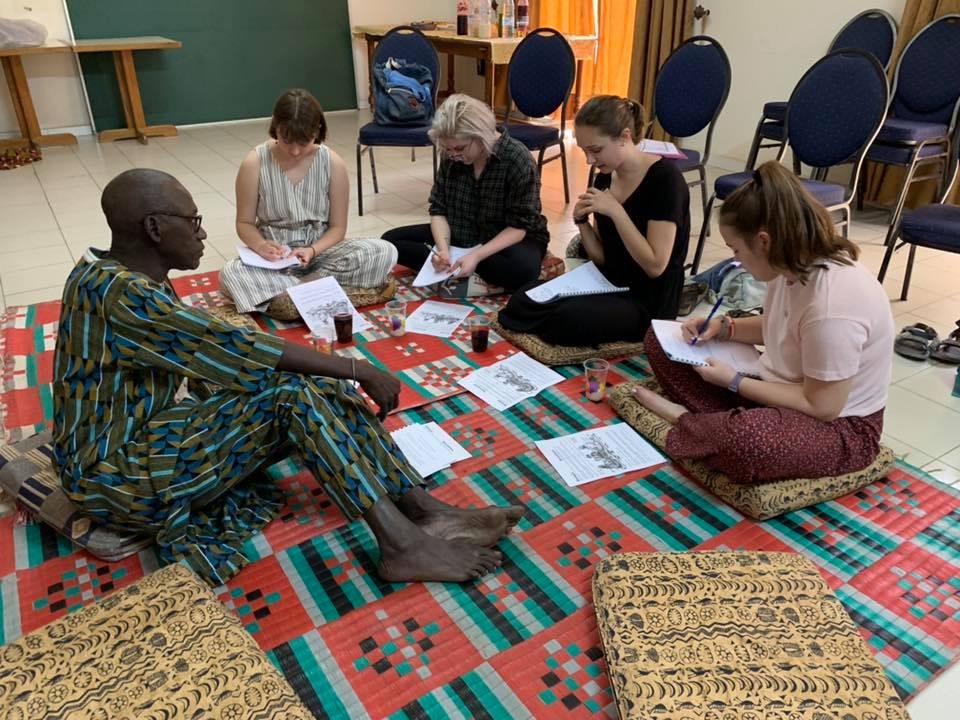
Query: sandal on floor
{"points": [[916, 341], [948, 351]]}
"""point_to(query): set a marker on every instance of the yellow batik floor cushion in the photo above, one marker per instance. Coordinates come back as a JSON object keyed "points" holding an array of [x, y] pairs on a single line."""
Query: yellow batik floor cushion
{"points": [[762, 501], [564, 354], [164, 647], [733, 636]]}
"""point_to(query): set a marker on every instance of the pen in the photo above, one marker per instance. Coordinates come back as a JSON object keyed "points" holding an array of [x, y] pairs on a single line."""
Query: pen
{"points": [[706, 322]]}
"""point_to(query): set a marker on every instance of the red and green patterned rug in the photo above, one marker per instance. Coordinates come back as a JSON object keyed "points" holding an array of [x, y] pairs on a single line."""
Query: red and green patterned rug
{"points": [[521, 642]]}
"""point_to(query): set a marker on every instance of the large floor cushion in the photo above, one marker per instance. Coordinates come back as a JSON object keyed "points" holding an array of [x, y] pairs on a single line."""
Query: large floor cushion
{"points": [[759, 502], [27, 476], [563, 354], [733, 636], [164, 647]]}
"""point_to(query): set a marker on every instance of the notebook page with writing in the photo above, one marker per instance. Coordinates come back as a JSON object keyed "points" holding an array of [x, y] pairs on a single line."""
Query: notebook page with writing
{"points": [[742, 358], [584, 280]]}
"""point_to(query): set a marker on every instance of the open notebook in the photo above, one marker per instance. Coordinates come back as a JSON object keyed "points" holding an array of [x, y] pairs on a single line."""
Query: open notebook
{"points": [[742, 358], [583, 280]]}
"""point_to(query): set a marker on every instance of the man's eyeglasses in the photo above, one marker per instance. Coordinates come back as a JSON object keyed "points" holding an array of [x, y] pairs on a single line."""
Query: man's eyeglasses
{"points": [[196, 220]]}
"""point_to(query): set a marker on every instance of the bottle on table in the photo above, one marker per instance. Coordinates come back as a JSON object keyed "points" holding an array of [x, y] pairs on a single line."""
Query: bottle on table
{"points": [[463, 14], [507, 20], [484, 18], [523, 17]]}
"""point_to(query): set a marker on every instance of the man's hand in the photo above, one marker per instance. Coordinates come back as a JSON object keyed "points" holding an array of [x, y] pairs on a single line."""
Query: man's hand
{"points": [[382, 387]]}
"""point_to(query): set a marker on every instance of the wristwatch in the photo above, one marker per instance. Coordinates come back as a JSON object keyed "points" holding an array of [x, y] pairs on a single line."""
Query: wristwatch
{"points": [[734, 385]]}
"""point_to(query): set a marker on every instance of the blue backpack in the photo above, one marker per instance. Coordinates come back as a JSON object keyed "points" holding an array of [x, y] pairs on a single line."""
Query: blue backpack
{"points": [[402, 93]]}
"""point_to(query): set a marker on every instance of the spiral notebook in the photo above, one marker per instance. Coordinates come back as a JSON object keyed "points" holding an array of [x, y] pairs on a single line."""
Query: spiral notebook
{"points": [[584, 280], [742, 358]]}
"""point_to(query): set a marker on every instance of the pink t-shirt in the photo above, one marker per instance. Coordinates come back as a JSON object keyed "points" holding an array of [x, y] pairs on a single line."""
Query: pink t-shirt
{"points": [[837, 325]]}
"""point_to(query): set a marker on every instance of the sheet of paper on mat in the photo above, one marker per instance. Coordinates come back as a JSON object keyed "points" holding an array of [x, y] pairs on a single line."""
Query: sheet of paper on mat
{"points": [[742, 358], [429, 276], [251, 258], [428, 447], [509, 381], [437, 318], [602, 452], [317, 301]]}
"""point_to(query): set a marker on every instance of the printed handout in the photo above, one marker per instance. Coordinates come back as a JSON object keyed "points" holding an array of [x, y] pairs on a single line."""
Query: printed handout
{"points": [[428, 447], [437, 318], [251, 258], [317, 302], [603, 452], [428, 275], [509, 381]]}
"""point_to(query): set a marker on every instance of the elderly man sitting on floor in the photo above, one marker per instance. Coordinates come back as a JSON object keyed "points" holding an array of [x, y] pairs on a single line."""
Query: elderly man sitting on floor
{"points": [[190, 473]]}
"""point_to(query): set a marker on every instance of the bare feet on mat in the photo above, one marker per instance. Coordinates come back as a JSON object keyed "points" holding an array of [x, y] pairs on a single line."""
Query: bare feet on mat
{"points": [[482, 526], [668, 410], [431, 559]]}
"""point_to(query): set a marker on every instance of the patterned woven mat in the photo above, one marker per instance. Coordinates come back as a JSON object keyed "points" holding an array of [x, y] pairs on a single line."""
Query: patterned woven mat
{"points": [[523, 642], [428, 367]]}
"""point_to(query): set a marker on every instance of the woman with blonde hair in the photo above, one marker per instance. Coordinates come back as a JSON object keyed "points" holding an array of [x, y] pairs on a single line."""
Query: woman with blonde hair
{"points": [[292, 195], [634, 225], [817, 408], [486, 196]]}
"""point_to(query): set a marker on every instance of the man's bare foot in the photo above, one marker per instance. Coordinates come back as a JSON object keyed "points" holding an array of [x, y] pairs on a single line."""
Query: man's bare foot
{"points": [[430, 559], [668, 410], [482, 526]]}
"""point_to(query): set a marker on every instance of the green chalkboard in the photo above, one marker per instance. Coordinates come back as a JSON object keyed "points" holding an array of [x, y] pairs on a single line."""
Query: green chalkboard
{"points": [[237, 57]]}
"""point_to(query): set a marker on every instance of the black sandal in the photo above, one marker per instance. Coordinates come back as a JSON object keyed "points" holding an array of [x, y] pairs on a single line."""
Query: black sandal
{"points": [[916, 341], [948, 351]]}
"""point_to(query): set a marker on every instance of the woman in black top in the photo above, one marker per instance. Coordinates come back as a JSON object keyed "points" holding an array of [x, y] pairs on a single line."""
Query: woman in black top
{"points": [[638, 236]]}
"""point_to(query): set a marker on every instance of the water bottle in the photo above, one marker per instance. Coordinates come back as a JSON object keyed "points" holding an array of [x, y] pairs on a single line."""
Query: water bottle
{"points": [[507, 24], [463, 14], [483, 18], [523, 17]]}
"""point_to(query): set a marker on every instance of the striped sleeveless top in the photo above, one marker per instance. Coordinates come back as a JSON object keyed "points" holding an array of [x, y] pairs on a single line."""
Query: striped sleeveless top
{"points": [[289, 214]]}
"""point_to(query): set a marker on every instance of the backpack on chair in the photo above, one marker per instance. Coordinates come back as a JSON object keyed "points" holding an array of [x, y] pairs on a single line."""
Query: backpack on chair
{"points": [[402, 93]]}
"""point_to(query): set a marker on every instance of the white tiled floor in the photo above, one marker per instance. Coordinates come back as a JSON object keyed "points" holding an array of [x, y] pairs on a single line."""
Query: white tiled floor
{"points": [[49, 213]]}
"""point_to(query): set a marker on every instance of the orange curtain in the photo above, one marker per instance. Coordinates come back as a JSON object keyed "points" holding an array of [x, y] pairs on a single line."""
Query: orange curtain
{"points": [[610, 74], [660, 27], [883, 181]]}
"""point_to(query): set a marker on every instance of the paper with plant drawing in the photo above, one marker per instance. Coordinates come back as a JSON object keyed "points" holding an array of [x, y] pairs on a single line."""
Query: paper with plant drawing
{"points": [[317, 301], [603, 452], [509, 381], [437, 318]]}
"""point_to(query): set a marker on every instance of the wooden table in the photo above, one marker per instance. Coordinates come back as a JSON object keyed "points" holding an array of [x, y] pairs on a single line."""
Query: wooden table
{"points": [[122, 49], [30, 133], [495, 51]]}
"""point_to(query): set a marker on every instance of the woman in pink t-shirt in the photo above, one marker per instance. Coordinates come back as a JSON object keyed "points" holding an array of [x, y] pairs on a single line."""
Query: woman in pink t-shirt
{"points": [[817, 409]]}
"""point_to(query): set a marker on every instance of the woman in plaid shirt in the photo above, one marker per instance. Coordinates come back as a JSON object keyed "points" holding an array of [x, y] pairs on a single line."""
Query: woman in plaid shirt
{"points": [[486, 196]]}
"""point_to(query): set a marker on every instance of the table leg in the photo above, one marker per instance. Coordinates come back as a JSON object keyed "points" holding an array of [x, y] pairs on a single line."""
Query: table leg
{"points": [[488, 84], [132, 105], [451, 69], [576, 86], [24, 109]]}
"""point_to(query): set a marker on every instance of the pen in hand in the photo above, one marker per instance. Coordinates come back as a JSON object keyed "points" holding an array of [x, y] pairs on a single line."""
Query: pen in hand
{"points": [[706, 323]]}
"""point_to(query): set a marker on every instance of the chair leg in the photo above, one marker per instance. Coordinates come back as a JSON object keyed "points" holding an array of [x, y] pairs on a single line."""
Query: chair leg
{"points": [[908, 273], [563, 171], [413, 154], [797, 169], [702, 172], [373, 171], [846, 222], [434, 163], [695, 267], [359, 180], [887, 256], [901, 199], [540, 162], [754, 147]]}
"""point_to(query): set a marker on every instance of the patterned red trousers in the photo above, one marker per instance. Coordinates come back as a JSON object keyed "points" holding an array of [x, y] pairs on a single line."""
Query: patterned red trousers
{"points": [[752, 443]]}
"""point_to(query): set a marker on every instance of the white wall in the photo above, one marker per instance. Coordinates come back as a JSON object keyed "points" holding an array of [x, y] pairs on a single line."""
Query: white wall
{"points": [[395, 12], [770, 43], [54, 79]]}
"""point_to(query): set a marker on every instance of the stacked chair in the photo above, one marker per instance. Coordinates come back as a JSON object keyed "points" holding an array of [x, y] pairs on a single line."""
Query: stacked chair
{"points": [[833, 115], [872, 30]]}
